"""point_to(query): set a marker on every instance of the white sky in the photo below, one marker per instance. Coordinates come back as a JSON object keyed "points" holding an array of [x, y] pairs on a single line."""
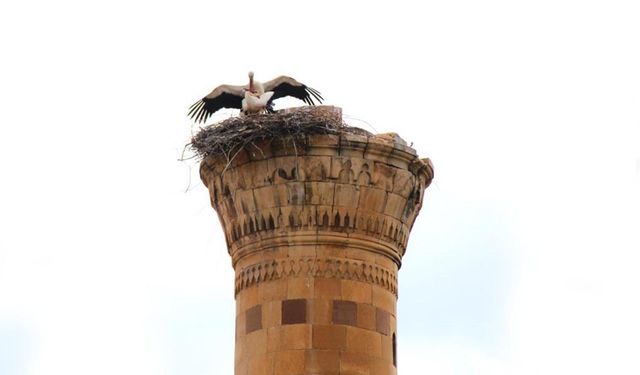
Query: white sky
{"points": [[524, 259]]}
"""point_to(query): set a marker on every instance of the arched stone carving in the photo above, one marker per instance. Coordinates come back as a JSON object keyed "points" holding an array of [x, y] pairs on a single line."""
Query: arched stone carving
{"points": [[364, 177], [346, 173]]}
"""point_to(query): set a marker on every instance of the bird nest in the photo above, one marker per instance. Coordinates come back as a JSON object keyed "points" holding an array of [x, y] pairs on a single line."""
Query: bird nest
{"points": [[227, 138]]}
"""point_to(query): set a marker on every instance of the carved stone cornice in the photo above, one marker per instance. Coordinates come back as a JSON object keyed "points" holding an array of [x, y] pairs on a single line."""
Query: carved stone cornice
{"points": [[355, 187]]}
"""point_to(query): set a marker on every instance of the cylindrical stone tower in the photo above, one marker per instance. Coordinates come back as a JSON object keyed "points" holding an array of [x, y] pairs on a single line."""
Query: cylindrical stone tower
{"points": [[316, 234]]}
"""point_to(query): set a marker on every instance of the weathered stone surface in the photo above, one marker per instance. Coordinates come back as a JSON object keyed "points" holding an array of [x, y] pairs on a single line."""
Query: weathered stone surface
{"points": [[316, 233]]}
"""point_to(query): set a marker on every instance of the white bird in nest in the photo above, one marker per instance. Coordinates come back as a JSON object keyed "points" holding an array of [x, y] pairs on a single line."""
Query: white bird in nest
{"points": [[256, 97]]}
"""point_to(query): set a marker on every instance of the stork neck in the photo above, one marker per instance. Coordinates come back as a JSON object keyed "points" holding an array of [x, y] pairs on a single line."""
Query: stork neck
{"points": [[251, 84]]}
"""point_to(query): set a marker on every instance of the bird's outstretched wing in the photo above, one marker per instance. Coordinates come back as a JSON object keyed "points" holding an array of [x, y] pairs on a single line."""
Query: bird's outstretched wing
{"points": [[224, 96], [287, 86]]}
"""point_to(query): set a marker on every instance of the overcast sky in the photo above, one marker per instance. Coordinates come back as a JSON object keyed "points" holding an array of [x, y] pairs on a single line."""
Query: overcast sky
{"points": [[524, 259]]}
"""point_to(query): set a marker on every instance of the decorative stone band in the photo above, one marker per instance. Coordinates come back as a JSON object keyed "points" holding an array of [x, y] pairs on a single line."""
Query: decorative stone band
{"points": [[316, 267], [327, 218]]}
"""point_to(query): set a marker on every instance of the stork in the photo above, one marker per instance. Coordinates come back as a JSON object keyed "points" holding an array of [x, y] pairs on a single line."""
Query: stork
{"points": [[256, 97]]}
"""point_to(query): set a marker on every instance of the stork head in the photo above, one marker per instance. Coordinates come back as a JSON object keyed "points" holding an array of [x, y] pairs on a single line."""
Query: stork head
{"points": [[251, 81]]}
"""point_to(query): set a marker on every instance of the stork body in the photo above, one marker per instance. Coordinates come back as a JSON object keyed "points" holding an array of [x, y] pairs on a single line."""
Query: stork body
{"points": [[255, 103], [256, 97]]}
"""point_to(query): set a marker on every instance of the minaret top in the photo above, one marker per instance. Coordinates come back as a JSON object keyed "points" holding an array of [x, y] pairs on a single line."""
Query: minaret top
{"points": [[302, 174]]}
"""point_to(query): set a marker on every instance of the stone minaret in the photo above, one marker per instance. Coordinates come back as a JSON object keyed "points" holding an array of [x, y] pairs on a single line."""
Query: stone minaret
{"points": [[316, 234]]}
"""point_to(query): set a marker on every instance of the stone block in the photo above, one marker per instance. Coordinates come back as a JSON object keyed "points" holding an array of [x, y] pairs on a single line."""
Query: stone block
{"points": [[272, 290], [381, 367], [356, 291], [241, 158], [383, 325], [296, 336], [327, 288], [289, 362], [320, 311], [272, 313], [325, 362], [256, 342], [387, 348], [253, 318], [241, 368], [262, 364], [367, 316], [243, 201], [273, 339], [403, 182], [282, 169], [256, 172], [247, 298], [324, 142], [342, 170], [315, 168], [294, 311], [295, 193], [384, 299], [319, 193], [383, 175], [240, 349], [240, 324], [345, 312], [344, 252], [354, 364], [232, 181], [300, 287], [329, 337], [372, 199], [303, 251], [265, 197], [346, 195], [281, 195], [395, 205], [364, 341]]}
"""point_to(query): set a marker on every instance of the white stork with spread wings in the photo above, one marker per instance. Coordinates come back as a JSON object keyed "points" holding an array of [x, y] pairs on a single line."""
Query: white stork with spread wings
{"points": [[256, 97]]}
